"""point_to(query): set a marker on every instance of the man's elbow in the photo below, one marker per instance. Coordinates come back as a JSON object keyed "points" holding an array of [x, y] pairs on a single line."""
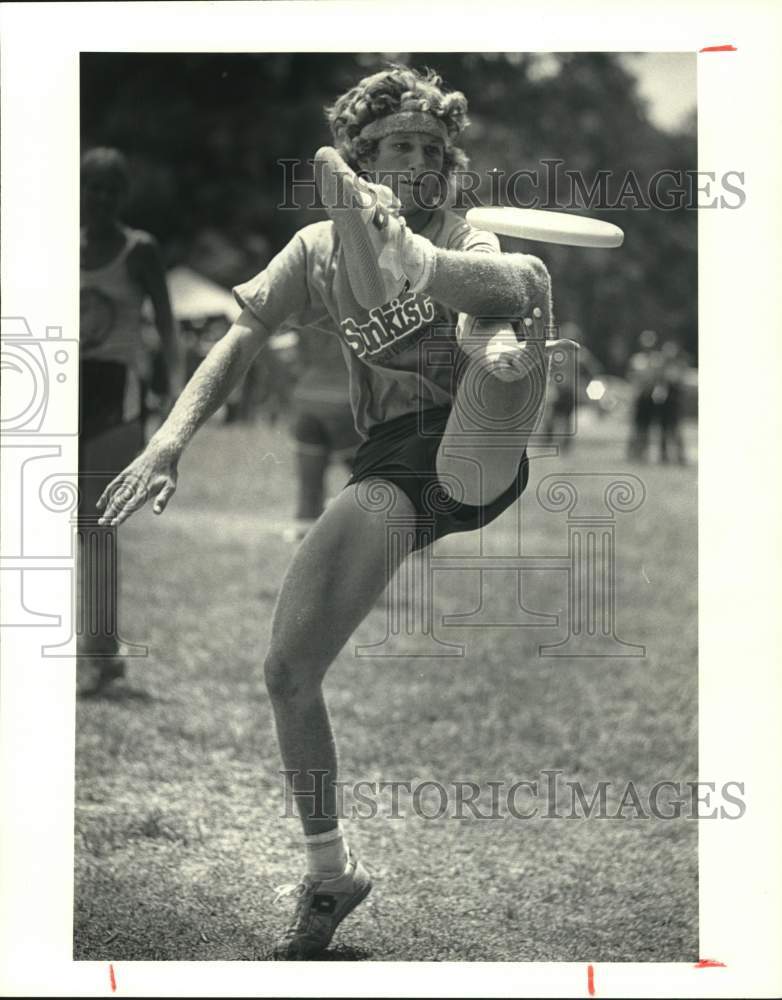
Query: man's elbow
{"points": [[248, 334]]}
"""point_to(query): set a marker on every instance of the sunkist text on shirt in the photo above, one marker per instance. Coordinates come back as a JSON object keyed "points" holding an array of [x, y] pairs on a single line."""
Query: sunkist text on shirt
{"points": [[389, 324]]}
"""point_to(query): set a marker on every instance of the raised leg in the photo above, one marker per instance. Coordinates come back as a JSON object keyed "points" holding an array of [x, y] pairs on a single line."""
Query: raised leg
{"points": [[495, 411]]}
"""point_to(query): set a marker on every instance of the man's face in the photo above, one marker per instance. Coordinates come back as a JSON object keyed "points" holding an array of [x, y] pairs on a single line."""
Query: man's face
{"points": [[102, 194], [410, 164]]}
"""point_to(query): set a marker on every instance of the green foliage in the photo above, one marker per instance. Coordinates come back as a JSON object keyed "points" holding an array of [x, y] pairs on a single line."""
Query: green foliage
{"points": [[205, 133]]}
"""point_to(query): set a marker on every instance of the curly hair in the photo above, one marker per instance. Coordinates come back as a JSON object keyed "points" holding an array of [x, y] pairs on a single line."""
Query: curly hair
{"points": [[398, 88]]}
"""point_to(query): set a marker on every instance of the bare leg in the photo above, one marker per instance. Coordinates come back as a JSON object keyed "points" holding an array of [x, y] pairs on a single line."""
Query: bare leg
{"points": [[492, 419], [97, 645], [335, 578], [96, 610]]}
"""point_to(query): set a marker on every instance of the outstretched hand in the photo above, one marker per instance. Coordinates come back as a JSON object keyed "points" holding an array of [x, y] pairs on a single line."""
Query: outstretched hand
{"points": [[153, 475]]}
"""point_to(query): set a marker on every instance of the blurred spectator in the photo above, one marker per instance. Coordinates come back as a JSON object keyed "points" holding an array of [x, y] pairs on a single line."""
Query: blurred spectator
{"points": [[657, 375], [322, 427], [560, 407], [204, 311], [667, 397], [274, 376], [566, 384], [643, 368], [120, 269], [200, 334]]}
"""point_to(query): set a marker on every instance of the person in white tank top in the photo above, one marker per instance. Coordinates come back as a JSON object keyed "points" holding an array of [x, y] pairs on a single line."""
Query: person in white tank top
{"points": [[120, 269]]}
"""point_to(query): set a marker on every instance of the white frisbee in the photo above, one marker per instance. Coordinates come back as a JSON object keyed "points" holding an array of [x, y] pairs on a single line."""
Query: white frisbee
{"points": [[547, 227]]}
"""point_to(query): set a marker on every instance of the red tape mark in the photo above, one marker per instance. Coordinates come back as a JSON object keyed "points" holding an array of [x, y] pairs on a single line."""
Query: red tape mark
{"points": [[112, 979], [591, 980], [709, 963], [719, 48]]}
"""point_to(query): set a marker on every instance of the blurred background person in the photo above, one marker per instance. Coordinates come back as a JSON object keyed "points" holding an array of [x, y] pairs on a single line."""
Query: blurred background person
{"points": [[120, 268], [568, 387], [657, 375], [274, 375], [667, 398], [322, 423], [560, 408], [642, 371]]}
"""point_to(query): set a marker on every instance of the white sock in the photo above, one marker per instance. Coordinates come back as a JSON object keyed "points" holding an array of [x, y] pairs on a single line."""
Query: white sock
{"points": [[327, 854]]}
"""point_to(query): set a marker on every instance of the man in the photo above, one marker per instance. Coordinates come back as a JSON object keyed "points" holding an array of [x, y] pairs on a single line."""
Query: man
{"points": [[642, 371], [120, 268], [392, 270]]}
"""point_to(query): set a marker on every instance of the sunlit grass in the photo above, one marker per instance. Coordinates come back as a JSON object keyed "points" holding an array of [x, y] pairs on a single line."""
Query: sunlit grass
{"points": [[179, 835]]}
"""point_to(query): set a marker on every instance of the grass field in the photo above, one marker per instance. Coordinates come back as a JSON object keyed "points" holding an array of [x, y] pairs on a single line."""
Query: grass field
{"points": [[179, 837]]}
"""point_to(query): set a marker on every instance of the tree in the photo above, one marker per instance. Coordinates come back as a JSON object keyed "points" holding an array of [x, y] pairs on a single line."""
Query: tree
{"points": [[205, 133]]}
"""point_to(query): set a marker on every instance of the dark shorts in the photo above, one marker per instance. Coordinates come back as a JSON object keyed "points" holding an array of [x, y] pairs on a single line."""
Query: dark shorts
{"points": [[107, 442], [403, 451], [102, 386]]}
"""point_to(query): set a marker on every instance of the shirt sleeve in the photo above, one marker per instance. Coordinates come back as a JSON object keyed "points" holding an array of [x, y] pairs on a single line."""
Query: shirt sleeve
{"points": [[281, 291]]}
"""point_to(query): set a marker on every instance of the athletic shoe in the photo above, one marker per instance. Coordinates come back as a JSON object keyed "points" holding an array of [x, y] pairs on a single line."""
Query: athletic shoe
{"points": [[383, 257], [321, 906]]}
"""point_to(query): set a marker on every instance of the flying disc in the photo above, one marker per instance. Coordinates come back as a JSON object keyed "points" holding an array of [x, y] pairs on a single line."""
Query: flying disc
{"points": [[547, 227]]}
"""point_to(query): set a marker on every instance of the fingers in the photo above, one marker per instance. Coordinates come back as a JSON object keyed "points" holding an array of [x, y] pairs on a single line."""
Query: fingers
{"points": [[383, 196], [101, 503], [534, 327], [121, 498], [387, 198], [164, 496], [366, 197], [552, 345], [110, 497]]}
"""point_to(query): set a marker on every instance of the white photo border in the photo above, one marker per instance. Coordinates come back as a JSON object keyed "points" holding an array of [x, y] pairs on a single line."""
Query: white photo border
{"points": [[739, 524]]}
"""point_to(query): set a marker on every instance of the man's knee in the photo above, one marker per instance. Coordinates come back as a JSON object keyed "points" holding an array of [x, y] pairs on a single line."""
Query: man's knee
{"points": [[290, 680]]}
